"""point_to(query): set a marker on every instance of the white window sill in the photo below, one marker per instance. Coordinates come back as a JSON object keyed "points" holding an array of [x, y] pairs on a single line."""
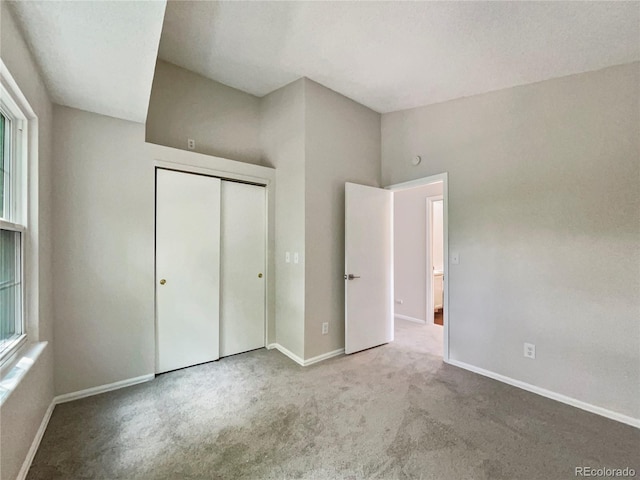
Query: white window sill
{"points": [[14, 371], [10, 353]]}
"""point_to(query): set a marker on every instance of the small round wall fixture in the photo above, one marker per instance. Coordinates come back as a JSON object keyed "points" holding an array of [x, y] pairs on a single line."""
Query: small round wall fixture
{"points": [[416, 160]]}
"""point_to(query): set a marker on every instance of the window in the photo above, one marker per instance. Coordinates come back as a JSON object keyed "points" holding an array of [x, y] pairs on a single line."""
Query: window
{"points": [[13, 224]]}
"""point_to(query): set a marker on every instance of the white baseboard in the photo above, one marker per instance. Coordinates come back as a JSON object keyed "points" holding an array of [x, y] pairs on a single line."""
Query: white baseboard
{"points": [[26, 465], [300, 361], [411, 319], [67, 397], [619, 417], [286, 352], [324, 356]]}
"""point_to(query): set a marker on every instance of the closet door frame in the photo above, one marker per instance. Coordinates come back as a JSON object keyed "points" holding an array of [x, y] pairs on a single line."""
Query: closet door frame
{"points": [[224, 169]]}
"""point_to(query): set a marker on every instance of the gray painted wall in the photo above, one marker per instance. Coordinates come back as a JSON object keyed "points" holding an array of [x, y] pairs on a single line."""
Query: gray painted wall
{"points": [[23, 411], [223, 121], [317, 140], [283, 144], [342, 145], [103, 251], [544, 205]]}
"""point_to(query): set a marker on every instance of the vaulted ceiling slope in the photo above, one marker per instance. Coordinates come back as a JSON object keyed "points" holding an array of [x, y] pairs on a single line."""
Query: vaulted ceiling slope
{"points": [[97, 56], [397, 55]]}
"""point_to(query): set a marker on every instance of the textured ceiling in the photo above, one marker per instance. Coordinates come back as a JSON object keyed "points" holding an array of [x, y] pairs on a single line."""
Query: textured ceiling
{"points": [[97, 56], [396, 55]]}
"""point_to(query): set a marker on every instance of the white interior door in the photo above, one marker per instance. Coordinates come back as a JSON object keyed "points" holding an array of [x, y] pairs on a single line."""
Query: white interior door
{"points": [[187, 269], [242, 272], [368, 267]]}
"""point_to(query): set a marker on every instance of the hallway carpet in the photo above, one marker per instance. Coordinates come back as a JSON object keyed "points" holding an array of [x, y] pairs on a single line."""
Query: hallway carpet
{"points": [[392, 412]]}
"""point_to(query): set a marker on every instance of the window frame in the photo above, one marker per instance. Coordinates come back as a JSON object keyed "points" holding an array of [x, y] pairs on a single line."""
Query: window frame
{"points": [[8, 346], [14, 216]]}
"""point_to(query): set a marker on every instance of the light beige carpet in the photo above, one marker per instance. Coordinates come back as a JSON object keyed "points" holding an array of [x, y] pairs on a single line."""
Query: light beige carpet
{"points": [[392, 412]]}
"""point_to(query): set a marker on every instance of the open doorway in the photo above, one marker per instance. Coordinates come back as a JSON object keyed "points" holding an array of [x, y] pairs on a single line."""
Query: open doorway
{"points": [[420, 264], [435, 259]]}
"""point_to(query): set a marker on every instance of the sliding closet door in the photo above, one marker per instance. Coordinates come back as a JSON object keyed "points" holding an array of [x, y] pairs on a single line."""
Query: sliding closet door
{"points": [[187, 269], [243, 260]]}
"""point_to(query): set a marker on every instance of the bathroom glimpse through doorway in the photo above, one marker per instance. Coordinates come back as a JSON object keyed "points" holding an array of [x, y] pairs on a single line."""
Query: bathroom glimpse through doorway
{"points": [[435, 259]]}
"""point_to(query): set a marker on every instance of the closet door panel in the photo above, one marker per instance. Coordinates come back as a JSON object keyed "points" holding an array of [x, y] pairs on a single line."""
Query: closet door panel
{"points": [[187, 269], [243, 262]]}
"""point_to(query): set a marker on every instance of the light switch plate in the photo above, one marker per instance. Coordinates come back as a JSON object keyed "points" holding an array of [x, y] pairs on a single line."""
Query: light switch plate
{"points": [[287, 257], [295, 257], [455, 258]]}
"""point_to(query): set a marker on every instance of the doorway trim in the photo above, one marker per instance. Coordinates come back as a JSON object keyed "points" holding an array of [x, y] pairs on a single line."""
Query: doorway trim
{"points": [[430, 303], [441, 177]]}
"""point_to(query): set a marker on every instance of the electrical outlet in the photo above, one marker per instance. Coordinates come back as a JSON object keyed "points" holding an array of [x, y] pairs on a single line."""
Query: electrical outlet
{"points": [[530, 350], [191, 143], [287, 257], [325, 328]]}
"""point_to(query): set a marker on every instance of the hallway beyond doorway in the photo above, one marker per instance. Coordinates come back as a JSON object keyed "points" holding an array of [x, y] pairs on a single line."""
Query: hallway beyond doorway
{"points": [[416, 337]]}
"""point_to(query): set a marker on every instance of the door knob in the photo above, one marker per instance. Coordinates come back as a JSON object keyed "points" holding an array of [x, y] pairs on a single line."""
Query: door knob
{"points": [[163, 281], [259, 275], [351, 276]]}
